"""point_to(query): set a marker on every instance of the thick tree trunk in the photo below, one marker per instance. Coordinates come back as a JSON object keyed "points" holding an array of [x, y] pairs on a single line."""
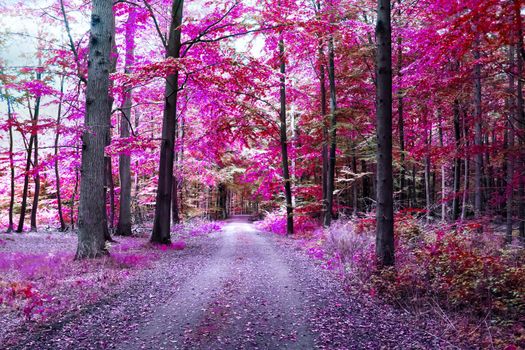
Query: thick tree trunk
{"points": [[478, 138], [57, 170], [124, 164], [284, 143], [161, 224], [333, 135], [385, 205], [11, 167], [92, 221]]}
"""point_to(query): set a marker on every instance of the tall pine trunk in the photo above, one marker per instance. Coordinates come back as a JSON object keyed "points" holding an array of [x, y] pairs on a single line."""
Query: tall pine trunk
{"points": [[161, 224], [92, 220], [385, 205]]}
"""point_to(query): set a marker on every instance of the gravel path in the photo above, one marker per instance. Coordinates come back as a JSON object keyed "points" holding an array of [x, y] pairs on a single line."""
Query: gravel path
{"points": [[238, 289]]}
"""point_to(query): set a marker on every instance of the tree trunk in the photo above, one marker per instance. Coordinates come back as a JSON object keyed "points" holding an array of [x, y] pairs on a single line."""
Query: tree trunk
{"points": [[92, 221], [74, 196], [457, 161], [443, 174], [478, 137], [322, 83], [520, 117], [11, 167], [427, 175], [385, 205], [467, 169], [284, 143], [36, 194], [510, 146], [124, 161], [161, 224], [333, 134], [401, 121], [25, 190], [57, 171]]}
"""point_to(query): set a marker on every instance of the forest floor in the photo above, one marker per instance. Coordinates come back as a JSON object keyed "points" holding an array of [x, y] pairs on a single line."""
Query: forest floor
{"points": [[237, 288]]}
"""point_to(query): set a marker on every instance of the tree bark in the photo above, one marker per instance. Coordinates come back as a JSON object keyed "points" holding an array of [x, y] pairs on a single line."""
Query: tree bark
{"points": [[478, 137], [124, 217], [510, 147], [333, 134], [92, 221], [443, 174], [161, 224], [466, 172], [322, 84], [284, 142], [520, 116], [36, 175], [457, 162], [385, 205], [427, 175]]}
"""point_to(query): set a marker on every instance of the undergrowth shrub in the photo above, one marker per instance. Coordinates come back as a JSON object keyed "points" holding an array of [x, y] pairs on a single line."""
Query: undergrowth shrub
{"points": [[456, 269], [275, 222]]}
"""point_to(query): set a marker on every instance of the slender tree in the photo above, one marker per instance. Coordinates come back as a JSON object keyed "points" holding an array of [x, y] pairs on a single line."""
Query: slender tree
{"points": [[333, 134], [284, 142], [161, 223], [34, 120], [57, 170], [385, 205], [36, 170], [11, 164], [92, 221], [478, 135], [457, 161], [124, 218], [510, 145]]}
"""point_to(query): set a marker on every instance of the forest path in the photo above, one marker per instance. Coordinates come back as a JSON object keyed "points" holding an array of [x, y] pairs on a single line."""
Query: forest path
{"points": [[238, 289]]}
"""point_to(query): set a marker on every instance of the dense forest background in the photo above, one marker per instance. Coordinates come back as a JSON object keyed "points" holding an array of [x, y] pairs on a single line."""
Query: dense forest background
{"points": [[387, 134]]}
